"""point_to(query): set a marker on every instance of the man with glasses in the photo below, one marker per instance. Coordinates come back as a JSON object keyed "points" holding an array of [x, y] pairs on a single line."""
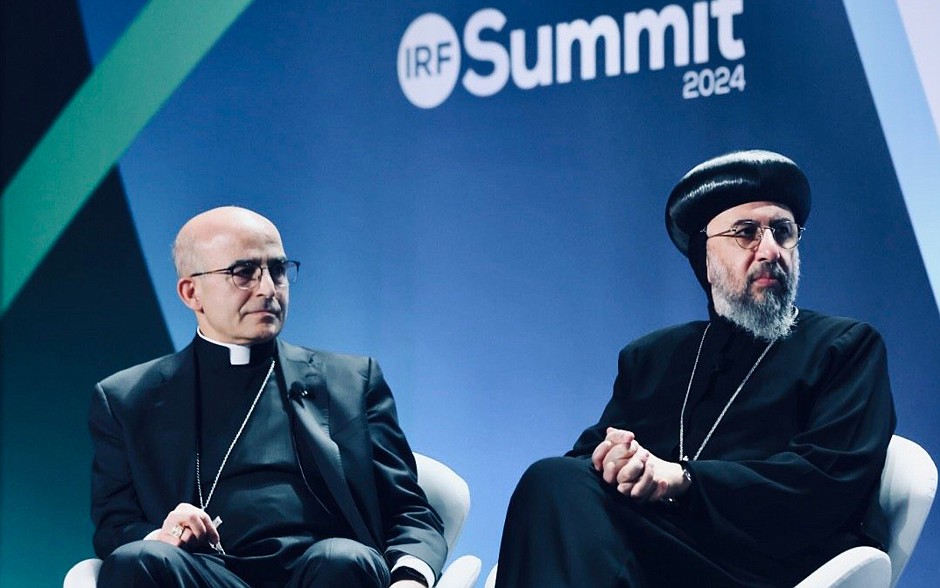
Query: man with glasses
{"points": [[298, 452], [745, 450]]}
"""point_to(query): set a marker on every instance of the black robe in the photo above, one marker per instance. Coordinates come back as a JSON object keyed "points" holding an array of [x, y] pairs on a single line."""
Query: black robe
{"points": [[788, 479]]}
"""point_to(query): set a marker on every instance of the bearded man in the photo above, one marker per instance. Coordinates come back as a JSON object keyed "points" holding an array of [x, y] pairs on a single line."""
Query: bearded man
{"points": [[745, 450]]}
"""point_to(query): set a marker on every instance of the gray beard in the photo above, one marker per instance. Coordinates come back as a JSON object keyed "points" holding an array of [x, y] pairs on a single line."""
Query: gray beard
{"points": [[772, 317]]}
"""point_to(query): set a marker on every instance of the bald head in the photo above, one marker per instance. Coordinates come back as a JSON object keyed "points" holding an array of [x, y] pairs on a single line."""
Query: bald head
{"points": [[207, 230]]}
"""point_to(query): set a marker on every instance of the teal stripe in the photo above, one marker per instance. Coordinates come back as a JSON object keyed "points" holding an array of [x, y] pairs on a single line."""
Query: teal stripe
{"points": [[142, 70]]}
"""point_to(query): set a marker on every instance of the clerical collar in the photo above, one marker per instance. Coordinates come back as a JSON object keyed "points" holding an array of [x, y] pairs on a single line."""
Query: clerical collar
{"points": [[242, 354], [722, 325]]}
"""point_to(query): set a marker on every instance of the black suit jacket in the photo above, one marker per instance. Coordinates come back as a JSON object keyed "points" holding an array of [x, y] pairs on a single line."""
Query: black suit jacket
{"points": [[143, 428]]}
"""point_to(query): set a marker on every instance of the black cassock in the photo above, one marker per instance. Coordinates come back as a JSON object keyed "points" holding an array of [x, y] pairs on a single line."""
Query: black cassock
{"points": [[787, 480]]}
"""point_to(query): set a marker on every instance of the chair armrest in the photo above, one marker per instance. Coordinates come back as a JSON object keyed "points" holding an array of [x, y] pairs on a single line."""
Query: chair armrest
{"points": [[461, 573], [491, 577], [84, 574], [859, 567]]}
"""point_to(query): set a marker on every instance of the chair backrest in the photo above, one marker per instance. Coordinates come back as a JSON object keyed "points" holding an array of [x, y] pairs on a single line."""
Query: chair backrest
{"points": [[447, 493], [908, 486]]}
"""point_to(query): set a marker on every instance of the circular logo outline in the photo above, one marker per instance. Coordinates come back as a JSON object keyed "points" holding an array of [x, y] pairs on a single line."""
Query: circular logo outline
{"points": [[428, 60]]}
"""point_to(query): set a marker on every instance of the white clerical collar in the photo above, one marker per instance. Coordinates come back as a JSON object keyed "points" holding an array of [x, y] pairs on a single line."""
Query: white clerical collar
{"points": [[237, 354]]}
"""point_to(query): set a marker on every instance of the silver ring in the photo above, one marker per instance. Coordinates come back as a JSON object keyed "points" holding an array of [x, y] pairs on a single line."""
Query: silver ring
{"points": [[177, 531]]}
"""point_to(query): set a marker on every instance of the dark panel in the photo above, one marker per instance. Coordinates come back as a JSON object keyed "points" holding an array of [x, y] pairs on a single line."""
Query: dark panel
{"points": [[87, 311], [43, 60]]}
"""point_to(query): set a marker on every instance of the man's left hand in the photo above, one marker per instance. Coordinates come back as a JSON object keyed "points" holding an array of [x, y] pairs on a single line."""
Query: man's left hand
{"points": [[662, 480]]}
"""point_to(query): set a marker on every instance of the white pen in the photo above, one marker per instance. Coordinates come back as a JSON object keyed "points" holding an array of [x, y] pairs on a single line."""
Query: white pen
{"points": [[217, 522]]}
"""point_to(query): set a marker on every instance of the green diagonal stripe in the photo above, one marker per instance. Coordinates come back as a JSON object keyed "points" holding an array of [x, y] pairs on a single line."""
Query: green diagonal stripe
{"points": [[145, 66]]}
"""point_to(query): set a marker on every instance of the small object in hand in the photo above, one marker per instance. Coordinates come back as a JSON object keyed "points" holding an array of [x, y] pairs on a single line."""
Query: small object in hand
{"points": [[217, 521], [177, 531]]}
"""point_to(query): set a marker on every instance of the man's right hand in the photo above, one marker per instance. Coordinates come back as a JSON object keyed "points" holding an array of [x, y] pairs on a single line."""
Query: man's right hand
{"points": [[634, 471], [188, 526]]}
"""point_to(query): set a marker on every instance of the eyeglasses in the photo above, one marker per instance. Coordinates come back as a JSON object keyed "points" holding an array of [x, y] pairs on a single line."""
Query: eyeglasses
{"points": [[247, 274], [748, 234]]}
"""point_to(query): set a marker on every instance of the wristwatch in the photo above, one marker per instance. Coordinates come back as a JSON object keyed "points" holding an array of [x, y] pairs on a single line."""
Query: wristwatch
{"points": [[406, 573], [684, 463]]}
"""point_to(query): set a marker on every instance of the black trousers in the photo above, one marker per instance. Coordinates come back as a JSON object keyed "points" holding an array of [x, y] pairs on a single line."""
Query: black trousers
{"points": [[567, 528], [328, 563]]}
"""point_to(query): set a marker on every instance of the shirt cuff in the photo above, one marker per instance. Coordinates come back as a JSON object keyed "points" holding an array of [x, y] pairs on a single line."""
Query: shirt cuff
{"points": [[416, 564], [152, 535]]}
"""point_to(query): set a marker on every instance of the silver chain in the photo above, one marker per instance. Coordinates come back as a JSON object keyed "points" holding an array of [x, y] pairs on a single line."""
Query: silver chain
{"points": [[682, 455], [205, 503]]}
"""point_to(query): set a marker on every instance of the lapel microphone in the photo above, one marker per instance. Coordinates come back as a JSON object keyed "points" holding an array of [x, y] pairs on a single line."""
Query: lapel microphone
{"points": [[297, 391]]}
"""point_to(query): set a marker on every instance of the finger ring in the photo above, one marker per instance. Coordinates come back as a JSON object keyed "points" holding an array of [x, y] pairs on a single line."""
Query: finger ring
{"points": [[177, 531]]}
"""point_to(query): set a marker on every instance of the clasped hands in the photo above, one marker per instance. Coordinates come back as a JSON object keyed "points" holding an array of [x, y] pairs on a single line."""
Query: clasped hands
{"points": [[636, 472]]}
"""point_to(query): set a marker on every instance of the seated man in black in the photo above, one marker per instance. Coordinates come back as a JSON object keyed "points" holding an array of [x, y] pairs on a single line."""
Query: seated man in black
{"points": [[745, 450], [297, 452]]}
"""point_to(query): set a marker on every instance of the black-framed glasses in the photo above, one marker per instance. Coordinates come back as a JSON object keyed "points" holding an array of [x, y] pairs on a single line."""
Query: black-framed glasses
{"points": [[748, 234], [247, 274]]}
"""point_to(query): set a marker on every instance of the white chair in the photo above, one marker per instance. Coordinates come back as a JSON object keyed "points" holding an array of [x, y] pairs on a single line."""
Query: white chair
{"points": [[491, 578], [908, 486], [447, 493]]}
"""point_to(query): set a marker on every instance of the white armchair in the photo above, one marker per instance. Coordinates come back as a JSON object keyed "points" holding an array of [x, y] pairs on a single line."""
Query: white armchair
{"points": [[447, 493], [908, 486]]}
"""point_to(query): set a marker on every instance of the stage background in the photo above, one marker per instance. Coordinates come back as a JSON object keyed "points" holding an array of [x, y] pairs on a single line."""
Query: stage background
{"points": [[493, 252]]}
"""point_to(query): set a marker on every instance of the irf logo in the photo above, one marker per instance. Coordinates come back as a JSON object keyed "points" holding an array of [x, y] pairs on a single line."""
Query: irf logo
{"points": [[428, 60], [429, 54]]}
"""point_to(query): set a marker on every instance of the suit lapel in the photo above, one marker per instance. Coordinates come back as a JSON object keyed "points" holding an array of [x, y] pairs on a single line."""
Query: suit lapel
{"points": [[309, 400], [173, 412]]}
